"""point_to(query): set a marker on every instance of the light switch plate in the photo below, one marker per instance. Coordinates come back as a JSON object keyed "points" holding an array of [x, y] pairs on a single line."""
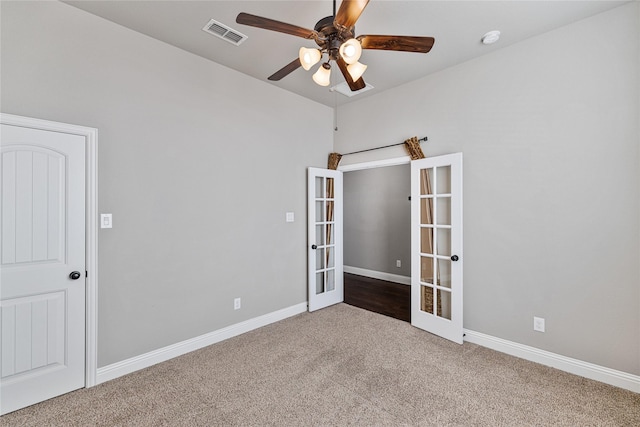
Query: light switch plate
{"points": [[290, 217], [106, 221]]}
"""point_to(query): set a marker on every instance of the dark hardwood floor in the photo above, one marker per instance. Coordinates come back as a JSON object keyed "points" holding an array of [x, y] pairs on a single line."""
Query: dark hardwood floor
{"points": [[379, 296]]}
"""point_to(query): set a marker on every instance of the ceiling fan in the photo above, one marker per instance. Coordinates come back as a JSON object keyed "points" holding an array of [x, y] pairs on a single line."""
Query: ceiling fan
{"points": [[335, 37]]}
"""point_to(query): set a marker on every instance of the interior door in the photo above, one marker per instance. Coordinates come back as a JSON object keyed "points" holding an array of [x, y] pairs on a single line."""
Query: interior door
{"points": [[436, 245], [324, 211], [42, 299]]}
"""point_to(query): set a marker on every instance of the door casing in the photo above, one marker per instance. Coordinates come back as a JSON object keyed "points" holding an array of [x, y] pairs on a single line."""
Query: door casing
{"points": [[91, 224]]}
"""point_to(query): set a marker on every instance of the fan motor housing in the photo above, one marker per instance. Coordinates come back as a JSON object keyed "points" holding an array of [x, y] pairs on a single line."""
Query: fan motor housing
{"points": [[334, 37]]}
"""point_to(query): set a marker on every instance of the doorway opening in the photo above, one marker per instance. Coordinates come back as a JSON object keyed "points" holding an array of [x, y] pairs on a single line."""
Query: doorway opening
{"points": [[377, 237]]}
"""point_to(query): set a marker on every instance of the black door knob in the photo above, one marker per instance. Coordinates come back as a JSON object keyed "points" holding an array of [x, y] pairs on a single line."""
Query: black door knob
{"points": [[75, 275], [454, 258], [314, 247]]}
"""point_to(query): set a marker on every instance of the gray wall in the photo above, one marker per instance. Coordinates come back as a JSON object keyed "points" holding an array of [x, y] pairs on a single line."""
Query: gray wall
{"points": [[550, 134], [377, 214], [197, 163]]}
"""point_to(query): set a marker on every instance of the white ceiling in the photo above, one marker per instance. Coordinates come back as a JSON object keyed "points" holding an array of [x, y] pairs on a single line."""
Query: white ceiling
{"points": [[456, 25]]}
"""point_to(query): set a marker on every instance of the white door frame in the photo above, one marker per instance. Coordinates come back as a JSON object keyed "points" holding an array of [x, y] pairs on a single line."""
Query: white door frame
{"points": [[91, 217]]}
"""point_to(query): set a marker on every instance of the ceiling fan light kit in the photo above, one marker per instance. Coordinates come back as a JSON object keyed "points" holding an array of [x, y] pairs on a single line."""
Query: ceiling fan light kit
{"points": [[335, 36], [323, 75], [351, 50], [309, 57], [356, 70]]}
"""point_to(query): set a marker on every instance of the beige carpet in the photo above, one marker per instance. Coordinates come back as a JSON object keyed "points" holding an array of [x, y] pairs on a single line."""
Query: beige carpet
{"points": [[340, 366]]}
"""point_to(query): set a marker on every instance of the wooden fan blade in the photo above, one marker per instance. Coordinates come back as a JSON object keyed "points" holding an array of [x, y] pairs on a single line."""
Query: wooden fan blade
{"points": [[401, 43], [284, 71], [354, 86], [273, 25], [349, 12]]}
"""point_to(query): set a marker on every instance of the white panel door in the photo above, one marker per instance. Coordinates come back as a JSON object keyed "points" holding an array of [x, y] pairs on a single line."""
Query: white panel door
{"points": [[324, 212], [42, 293], [436, 245]]}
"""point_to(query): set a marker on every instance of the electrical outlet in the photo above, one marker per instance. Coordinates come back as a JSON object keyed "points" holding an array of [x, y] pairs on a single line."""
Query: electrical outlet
{"points": [[236, 304], [398, 263], [538, 324]]}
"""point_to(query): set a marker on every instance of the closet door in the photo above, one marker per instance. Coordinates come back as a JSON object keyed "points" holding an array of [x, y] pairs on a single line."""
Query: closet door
{"points": [[42, 304], [436, 245]]}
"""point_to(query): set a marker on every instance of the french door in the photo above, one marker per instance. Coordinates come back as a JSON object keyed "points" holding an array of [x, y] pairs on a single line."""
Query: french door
{"points": [[436, 245], [324, 211]]}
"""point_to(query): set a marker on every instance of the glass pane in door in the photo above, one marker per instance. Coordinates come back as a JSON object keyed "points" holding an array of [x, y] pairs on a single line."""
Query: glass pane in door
{"points": [[443, 238], [426, 270], [331, 280], [443, 176], [330, 257], [320, 233], [329, 194], [319, 212], [319, 188], [320, 260], [426, 211], [443, 210], [319, 282], [329, 212], [444, 273], [426, 240], [444, 304], [426, 299], [426, 178]]}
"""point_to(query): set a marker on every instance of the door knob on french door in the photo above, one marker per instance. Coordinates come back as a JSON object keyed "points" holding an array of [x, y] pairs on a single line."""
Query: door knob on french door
{"points": [[75, 275], [454, 258], [314, 247]]}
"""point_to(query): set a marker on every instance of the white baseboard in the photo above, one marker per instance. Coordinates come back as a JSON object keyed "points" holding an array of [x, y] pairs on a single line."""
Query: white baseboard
{"points": [[567, 364], [395, 278], [136, 363]]}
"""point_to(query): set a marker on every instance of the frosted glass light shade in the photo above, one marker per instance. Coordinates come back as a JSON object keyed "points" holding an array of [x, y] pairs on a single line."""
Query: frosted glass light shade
{"points": [[309, 57], [356, 70], [351, 51], [323, 75]]}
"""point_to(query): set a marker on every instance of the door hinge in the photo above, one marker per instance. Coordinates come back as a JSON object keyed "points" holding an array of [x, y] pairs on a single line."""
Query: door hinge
{"points": [[86, 273]]}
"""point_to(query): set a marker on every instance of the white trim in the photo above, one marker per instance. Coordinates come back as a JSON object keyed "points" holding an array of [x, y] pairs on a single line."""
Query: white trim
{"points": [[91, 209], [395, 278], [91, 361], [405, 160], [574, 366], [151, 358]]}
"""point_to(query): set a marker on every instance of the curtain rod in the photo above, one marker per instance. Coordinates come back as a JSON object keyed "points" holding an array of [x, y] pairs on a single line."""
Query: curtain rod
{"points": [[378, 148]]}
